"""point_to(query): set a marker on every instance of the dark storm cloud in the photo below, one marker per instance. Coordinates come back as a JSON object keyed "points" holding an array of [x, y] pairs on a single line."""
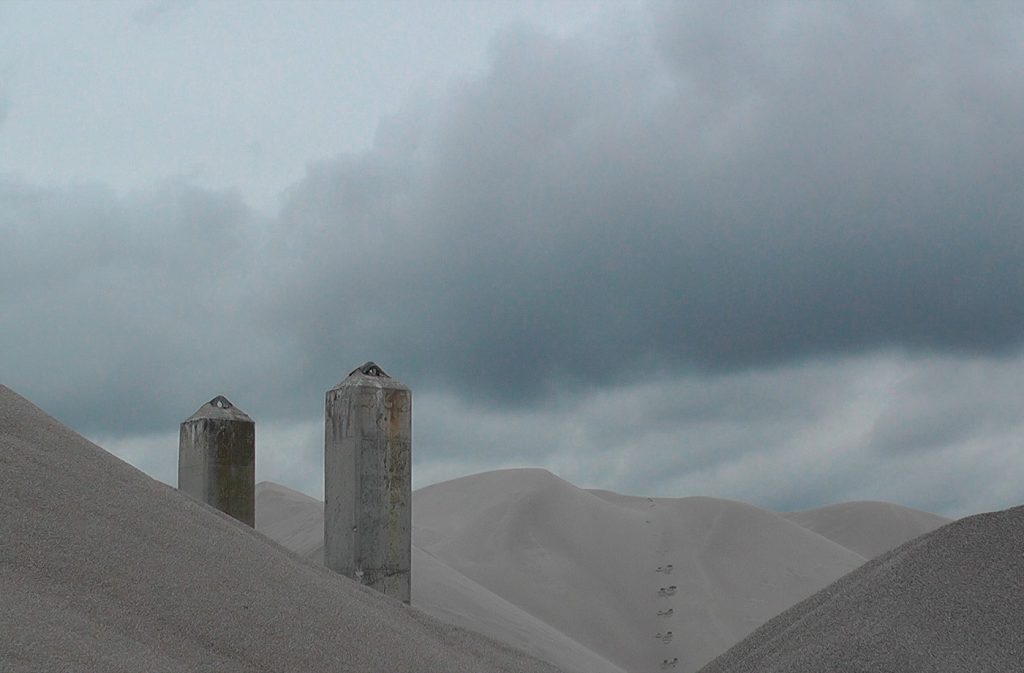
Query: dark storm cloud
{"points": [[728, 188], [126, 309], [698, 188]]}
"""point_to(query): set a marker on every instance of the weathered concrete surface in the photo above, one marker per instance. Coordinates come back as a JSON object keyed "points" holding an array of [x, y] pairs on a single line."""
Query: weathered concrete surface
{"points": [[217, 459], [368, 481]]}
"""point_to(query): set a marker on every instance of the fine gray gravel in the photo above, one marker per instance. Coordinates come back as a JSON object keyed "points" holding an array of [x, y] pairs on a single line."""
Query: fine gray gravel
{"points": [[949, 601], [103, 569]]}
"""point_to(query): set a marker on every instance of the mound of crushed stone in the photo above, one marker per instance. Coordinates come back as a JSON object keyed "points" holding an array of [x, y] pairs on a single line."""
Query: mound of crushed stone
{"points": [[103, 569], [949, 601]]}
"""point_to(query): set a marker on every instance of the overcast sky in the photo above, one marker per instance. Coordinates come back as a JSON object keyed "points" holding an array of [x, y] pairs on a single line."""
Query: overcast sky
{"points": [[765, 251]]}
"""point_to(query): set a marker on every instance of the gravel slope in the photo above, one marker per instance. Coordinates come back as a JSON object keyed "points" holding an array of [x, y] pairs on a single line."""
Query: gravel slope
{"points": [[573, 575], [103, 569], [297, 522], [949, 601]]}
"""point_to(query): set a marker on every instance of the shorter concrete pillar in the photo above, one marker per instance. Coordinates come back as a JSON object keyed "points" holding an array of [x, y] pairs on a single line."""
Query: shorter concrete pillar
{"points": [[368, 481], [217, 459]]}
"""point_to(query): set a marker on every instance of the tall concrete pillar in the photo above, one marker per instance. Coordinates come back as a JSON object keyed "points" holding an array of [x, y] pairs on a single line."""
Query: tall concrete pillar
{"points": [[368, 481], [217, 459]]}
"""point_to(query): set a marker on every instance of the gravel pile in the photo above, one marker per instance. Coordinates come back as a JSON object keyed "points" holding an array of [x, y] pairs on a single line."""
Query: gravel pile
{"points": [[949, 601], [579, 554], [104, 569]]}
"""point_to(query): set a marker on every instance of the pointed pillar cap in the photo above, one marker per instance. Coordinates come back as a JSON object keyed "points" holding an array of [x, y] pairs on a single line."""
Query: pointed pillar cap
{"points": [[219, 408], [371, 374]]}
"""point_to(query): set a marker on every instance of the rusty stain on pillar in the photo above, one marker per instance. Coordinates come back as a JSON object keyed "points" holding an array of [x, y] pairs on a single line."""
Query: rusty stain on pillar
{"points": [[368, 481], [217, 459]]}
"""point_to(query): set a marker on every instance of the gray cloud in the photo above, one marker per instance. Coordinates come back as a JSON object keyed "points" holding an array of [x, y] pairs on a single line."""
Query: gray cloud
{"points": [[941, 407], [622, 255], [788, 438], [733, 190], [129, 310]]}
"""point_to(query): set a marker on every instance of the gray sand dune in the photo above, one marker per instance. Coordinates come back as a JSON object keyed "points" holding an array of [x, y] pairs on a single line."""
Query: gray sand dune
{"points": [[104, 569], [949, 601], [447, 594], [522, 555], [868, 528], [296, 521], [589, 566], [291, 518]]}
